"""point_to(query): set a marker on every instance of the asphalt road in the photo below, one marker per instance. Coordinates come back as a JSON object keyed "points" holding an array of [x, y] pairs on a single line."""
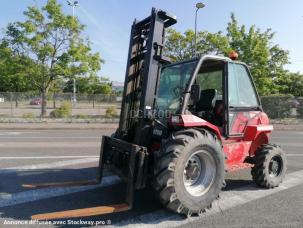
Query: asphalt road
{"points": [[66, 155]]}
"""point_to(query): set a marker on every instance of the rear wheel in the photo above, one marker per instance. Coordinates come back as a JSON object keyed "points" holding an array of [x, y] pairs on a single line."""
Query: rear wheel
{"points": [[190, 171], [270, 166]]}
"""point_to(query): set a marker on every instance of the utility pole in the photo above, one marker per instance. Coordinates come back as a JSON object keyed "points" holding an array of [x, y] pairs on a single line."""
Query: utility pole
{"points": [[199, 6], [74, 5]]}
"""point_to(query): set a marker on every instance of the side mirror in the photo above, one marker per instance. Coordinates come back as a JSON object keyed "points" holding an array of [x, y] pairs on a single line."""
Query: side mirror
{"points": [[195, 93]]}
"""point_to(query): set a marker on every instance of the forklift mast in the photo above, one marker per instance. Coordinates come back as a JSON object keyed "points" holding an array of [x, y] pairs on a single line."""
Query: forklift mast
{"points": [[145, 59]]}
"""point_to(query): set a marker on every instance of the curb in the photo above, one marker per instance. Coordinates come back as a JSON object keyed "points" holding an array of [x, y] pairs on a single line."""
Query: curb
{"points": [[284, 127]]}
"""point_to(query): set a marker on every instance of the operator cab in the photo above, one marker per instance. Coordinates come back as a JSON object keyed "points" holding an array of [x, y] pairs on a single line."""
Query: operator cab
{"points": [[226, 98]]}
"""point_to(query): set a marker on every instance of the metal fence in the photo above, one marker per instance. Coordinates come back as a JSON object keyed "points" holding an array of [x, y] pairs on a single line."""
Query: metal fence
{"points": [[28, 105]]}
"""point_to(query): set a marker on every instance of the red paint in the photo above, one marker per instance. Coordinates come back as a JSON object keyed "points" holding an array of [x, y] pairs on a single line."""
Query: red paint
{"points": [[189, 121], [238, 122], [261, 139], [254, 131], [236, 153]]}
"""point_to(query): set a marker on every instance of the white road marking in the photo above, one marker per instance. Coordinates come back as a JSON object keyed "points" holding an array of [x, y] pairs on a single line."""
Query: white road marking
{"points": [[46, 157], [34, 195], [22, 145], [228, 199], [10, 133], [294, 155], [50, 137], [49, 165], [293, 144], [288, 132]]}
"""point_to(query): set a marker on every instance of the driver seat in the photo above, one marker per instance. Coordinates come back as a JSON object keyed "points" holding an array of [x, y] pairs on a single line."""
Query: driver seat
{"points": [[207, 100]]}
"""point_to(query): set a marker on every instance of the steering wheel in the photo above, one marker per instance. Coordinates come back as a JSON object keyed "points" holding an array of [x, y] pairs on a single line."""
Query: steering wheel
{"points": [[177, 91]]}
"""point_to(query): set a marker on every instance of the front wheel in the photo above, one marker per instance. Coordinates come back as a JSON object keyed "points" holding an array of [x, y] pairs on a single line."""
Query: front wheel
{"points": [[190, 171], [270, 166]]}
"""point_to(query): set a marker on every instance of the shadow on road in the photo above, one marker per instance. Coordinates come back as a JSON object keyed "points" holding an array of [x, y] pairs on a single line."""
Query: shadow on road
{"points": [[145, 201], [99, 196]]}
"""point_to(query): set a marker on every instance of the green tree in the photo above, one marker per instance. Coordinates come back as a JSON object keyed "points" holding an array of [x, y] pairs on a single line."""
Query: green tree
{"points": [[104, 88], [180, 46], [55, 89], [53, 42], [290, 83], [89, 85], [13, 77], [81, 85], [256, 48]]}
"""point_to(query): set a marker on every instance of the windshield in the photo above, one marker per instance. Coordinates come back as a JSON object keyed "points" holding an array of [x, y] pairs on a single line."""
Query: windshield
{"points": [[173, 82]]}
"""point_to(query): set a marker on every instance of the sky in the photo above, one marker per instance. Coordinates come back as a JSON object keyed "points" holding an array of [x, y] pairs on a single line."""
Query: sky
{"points": [[108, 23]]}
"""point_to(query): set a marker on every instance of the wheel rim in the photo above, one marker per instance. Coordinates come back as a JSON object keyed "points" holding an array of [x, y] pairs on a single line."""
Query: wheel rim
{"points": [[199, 173], [275, 166]]}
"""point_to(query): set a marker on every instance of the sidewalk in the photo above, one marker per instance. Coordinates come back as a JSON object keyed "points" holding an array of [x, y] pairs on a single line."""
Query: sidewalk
{"points": [[288, 127]]}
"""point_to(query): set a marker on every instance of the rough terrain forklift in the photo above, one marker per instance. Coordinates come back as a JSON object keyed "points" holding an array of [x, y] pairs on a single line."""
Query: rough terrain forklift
{"points": [[182, 127]]}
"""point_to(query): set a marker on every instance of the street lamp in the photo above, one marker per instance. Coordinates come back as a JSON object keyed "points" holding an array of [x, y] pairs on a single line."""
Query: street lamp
{"points": [[73, 5], [199, 6]]}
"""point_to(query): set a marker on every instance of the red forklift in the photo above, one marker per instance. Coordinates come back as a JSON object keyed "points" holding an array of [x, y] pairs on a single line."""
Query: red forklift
{"points": [[182, 127]]}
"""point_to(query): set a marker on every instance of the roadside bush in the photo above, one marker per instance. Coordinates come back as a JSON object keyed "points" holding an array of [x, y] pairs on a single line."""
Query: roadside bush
{"points": [[111, 112], [81, 116], [64, 111], [28, 115], [278, 106]]}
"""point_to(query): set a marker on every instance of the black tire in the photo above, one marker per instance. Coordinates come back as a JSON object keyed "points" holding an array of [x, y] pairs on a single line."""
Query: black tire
{"points": [[169, 171], [263, 172]]}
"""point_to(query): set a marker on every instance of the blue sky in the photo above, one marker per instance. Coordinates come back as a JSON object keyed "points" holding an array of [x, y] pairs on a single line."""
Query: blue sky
{"points": [[108, 23]]}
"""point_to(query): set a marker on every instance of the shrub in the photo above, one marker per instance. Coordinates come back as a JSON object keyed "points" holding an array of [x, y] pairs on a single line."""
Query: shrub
{"points": [[81, 116], [28, 115], [111, 112], [278, 106], [64, 111]]}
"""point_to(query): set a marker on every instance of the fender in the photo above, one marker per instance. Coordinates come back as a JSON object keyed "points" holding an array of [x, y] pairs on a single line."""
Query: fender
{"points": [[189, 121], [253, 131], [258, 135]]}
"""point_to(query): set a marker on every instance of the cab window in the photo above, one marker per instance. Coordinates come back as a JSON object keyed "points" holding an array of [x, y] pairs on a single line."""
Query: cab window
{"points": [[211, 80], [241, 90]]}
